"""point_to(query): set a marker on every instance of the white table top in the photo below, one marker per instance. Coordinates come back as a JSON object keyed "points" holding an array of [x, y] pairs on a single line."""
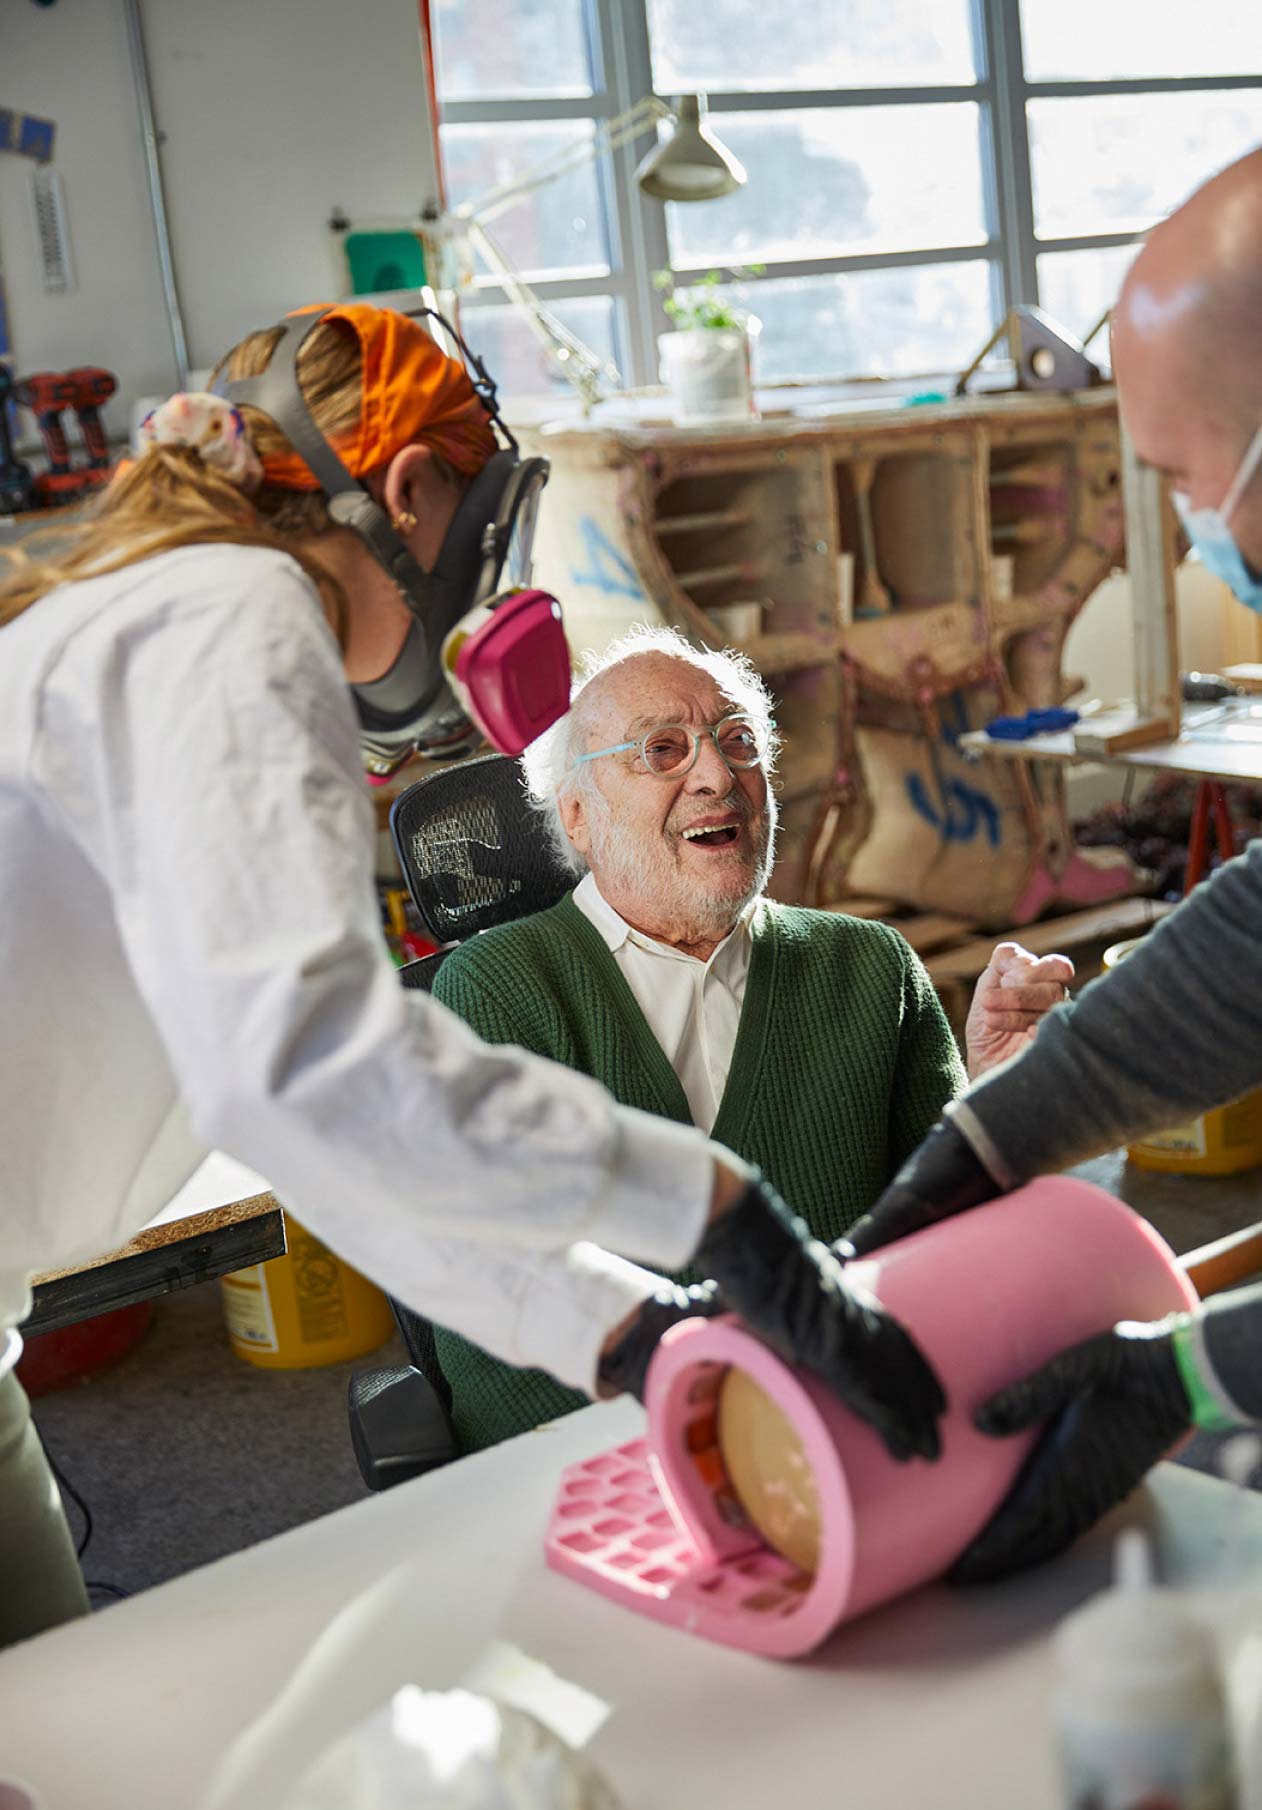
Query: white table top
{"points": [[941, 1699], [220, 1182], [1218, 741]]}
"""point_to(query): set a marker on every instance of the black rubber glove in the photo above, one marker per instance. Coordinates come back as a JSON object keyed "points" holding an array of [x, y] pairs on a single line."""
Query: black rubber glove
{"points": [[941, 1177], [790, 1289], [1115, 1405], [623, 1368]]}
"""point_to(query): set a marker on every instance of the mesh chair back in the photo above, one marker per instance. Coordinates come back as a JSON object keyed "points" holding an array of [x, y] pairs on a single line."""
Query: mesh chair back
{"points": [[472, 850]]}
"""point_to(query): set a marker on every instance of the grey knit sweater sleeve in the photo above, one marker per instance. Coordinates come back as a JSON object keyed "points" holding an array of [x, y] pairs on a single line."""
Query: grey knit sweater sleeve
{"points": [[1173, 1030]]}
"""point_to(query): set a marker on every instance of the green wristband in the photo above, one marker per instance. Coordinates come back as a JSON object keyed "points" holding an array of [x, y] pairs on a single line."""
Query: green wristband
{"points": [[1208, 1409]]}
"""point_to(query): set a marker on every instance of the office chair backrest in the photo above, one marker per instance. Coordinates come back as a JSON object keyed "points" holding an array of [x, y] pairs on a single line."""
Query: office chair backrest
{"points": [[474, 854], [472, 851]]}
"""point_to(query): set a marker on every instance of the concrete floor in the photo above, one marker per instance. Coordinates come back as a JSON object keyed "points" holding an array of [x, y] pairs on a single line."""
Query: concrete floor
{"points": [[184, 1453], [1188, 1210]]}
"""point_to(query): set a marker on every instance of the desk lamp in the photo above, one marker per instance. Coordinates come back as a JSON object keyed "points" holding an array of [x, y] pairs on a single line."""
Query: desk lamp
{"points": [[688, 164]]}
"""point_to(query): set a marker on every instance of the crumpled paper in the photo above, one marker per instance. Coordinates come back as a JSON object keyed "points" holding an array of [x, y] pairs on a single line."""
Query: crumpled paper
{"points": [[450, 1750]]}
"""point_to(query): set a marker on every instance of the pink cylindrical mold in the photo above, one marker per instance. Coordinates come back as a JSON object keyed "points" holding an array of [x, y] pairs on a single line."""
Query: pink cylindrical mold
{"points": [[988, 1296]]}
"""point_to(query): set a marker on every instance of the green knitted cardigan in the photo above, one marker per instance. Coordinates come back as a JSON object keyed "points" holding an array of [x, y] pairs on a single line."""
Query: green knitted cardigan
{"points": [[843, 1061]]}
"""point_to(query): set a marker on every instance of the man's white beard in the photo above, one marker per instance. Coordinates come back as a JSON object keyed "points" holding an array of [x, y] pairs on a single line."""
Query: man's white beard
{"points": [[666, 896]]}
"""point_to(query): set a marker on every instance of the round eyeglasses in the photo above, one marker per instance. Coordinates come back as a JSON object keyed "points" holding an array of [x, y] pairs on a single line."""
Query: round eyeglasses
{"points": [[670, 750]]}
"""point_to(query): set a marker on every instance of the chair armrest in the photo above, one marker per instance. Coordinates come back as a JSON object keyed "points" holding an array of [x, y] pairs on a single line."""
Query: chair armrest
{"points": [[399, 1426]]}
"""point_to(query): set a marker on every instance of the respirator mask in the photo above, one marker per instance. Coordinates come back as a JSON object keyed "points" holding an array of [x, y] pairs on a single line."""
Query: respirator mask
{"points": [[1209, 531], [485, 655]]}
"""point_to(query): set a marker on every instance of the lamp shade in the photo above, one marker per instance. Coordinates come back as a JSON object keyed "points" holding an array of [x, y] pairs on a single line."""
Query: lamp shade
{"points": [[690, 164]]}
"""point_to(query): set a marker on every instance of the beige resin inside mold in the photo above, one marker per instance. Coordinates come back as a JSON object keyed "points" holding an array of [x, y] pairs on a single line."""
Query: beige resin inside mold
{"points": [[768, 1469]]}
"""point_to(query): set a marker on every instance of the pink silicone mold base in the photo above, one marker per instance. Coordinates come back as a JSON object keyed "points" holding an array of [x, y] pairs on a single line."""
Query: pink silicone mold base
{"points": [[693, 1560], [990, 1295]]}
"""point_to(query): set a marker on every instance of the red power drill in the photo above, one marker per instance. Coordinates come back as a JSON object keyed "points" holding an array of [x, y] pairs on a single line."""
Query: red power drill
{"points": [[93, 388], [47, 394]]}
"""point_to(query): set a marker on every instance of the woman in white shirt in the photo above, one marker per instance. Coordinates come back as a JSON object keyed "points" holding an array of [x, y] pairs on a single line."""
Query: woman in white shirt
{"points": [[189, 933]]}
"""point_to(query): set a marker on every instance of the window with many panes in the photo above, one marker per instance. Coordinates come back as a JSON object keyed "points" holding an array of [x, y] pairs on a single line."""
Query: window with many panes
{"points": [[915, 166]]}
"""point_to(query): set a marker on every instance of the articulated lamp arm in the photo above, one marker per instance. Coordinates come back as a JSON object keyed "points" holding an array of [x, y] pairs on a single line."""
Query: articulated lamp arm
{"points": [[568, 355], [690, 165], [607, 137]]}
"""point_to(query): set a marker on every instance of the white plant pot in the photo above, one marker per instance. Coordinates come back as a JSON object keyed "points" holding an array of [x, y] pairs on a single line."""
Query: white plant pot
{"points": [[709, 371]]}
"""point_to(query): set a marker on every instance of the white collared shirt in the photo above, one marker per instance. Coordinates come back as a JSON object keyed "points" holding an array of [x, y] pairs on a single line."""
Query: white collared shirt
{"points": [[693, 1008]]}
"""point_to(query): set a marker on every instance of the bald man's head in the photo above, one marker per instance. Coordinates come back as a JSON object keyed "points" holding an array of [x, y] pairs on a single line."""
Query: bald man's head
{"points": [[1187, 341]]}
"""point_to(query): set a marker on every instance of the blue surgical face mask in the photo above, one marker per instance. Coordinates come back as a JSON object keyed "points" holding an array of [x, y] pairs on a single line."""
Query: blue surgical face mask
{"points": [[1209, 533]]}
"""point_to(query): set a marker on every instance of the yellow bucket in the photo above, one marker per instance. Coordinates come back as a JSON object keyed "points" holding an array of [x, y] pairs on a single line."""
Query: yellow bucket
{"points": [[1221, 1141], [303, 1309]]}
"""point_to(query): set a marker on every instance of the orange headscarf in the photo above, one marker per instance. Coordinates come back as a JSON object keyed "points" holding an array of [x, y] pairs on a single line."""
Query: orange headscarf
{"points": [[413, 394]]}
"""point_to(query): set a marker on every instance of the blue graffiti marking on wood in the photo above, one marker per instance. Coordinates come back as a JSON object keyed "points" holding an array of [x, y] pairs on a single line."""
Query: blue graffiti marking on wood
{"points": [[964, 810], [607, 571]]}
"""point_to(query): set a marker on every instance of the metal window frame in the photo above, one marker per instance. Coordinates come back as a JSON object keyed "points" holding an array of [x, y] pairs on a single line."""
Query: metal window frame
{"points": [[622, 72]]}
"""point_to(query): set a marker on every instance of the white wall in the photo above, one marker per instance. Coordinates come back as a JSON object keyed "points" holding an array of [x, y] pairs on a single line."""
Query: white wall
{"points": [[275, 112], [1100, 649], [68, 63], [272, 112]]}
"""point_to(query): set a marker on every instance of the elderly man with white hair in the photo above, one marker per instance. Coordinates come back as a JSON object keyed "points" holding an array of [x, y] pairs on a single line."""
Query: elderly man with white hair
{"points": [[810, 1043]]}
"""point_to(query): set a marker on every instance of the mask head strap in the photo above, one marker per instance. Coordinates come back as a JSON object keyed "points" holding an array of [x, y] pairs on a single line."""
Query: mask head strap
{"points": [[276, 393], [1248, 465], [484, 385]]}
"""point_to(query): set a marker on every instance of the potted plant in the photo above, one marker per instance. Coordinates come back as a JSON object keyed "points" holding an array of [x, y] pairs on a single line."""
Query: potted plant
{"points": [[707, 361]]}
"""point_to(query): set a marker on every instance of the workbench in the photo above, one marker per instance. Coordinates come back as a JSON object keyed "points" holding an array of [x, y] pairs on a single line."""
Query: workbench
{"points": [[224, 1218], [14, 528], [1216, 741], [941, 1699]]}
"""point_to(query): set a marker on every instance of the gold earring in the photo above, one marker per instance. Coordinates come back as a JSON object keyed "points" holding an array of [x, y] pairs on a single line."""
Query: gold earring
{"points": [[403, 522]]}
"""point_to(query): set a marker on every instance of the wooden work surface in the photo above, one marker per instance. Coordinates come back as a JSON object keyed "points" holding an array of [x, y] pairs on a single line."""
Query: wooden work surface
{"points": [[1100, 923], [14, 528], [1217, 742], [223, 1219]]}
